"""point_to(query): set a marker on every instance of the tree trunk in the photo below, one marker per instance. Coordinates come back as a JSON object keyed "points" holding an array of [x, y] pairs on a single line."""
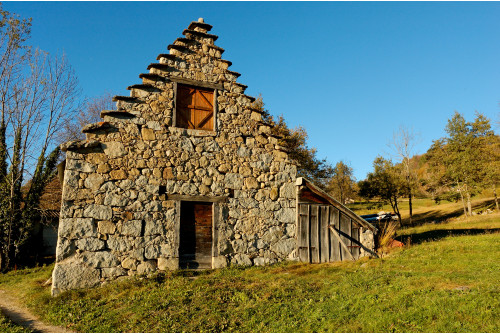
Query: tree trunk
{"points": [[496, 198], [463, 202], [469, 204], [395, 207], [410, 204]]}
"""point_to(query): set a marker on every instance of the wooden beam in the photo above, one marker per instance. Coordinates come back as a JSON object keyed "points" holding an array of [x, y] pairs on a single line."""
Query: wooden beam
{"points": [[348, 251]]}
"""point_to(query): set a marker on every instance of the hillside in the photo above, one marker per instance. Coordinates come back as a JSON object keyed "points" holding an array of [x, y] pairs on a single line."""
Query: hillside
{"points": [[447, 281]]}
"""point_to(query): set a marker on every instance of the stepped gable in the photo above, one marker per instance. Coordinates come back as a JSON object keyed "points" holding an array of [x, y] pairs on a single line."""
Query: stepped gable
{"points": [[181, 65]]}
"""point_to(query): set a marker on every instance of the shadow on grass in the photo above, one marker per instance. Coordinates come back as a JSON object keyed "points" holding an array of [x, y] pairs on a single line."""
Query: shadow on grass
{"points": [[439, 215], [417, 238]]}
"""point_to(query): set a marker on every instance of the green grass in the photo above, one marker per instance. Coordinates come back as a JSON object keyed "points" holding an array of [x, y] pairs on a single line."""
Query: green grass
{"points": [[448, 284], [7, 326]]}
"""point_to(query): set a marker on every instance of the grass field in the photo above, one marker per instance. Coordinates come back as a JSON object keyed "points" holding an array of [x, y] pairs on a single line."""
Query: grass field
{"points": [[426, 210], [448, 283]]}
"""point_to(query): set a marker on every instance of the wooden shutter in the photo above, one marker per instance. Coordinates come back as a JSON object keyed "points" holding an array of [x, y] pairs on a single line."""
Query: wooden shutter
{"points": [[195, 109]]}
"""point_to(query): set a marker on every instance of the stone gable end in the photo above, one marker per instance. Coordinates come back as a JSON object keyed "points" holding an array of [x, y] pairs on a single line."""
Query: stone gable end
{"points": [[186, 145]]}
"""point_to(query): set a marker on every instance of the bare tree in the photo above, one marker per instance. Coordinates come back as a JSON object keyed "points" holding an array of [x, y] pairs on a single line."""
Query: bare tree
{"points": [[89, 112], [403, 147], [36, 93]]}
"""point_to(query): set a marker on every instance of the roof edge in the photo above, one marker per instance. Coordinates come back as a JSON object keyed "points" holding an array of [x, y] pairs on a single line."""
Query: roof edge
{"points": [[302, 181]]}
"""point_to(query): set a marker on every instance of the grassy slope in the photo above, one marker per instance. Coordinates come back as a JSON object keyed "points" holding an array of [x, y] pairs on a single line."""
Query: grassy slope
{"points": [[449, 285], [425, 210]]}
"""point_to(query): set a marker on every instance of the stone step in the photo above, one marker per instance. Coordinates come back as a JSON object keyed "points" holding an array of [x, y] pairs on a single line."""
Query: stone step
{"points": [[229, 63], [166, 55], [218, 48], [128, 99], [186, 33], [100, 126], [162, 67], [146, 87], [77, 145], [121, 114], [184, 40], [236, 74], [126, 102], [180, 48], [152, 77], [200, 26]]}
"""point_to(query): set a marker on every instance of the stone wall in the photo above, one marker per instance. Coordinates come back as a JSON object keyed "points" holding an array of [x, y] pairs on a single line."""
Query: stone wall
{"points": [[118, 217]]}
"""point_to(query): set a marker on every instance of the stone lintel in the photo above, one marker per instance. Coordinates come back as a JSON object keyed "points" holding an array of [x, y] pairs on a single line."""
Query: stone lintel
{"points": [[212, 199], [197, 83]]}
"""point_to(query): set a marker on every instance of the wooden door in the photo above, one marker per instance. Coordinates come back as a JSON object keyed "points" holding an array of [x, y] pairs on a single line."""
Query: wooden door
{"points": [[195, 246]]}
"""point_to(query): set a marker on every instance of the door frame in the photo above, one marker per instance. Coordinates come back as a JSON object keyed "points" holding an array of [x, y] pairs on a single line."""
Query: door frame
{"points": [[216, 218]]}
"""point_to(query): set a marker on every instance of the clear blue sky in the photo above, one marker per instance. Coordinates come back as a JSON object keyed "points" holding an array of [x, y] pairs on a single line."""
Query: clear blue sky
{"points": [[349, 72]]}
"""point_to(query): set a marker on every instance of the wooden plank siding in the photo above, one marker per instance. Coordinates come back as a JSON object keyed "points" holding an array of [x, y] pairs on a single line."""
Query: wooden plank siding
{"points": [[317, 243], [327, 230]]}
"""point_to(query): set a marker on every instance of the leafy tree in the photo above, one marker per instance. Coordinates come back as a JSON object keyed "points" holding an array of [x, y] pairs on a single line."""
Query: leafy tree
{"points": [[342, 183], [465, 156], [385, 183], [295, 143], [36, 92], [492, 165]]}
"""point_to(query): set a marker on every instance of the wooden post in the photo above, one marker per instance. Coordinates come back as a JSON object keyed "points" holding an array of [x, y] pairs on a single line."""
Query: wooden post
{"points": [[297, 221], [309, 233]]}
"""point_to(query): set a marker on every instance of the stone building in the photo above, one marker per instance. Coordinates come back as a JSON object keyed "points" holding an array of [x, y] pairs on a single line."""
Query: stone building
{"points": [[183, 174]]}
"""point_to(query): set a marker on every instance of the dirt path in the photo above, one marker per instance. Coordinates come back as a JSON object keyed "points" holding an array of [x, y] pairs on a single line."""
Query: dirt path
{"points": [[22, 316]]}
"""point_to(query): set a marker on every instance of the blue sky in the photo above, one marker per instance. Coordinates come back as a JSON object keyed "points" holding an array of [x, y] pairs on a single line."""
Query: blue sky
{"points": [[349, 72]]}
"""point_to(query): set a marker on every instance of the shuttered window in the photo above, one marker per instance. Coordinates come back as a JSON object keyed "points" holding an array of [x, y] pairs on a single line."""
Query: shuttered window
{"points": [[195, 108]]}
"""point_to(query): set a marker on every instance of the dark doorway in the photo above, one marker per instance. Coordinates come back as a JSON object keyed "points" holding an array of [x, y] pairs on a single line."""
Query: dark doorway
{"points": [[195, 246]]}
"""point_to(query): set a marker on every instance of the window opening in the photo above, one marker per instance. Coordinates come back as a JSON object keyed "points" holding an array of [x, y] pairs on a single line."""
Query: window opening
{"points": [[195, 108]]}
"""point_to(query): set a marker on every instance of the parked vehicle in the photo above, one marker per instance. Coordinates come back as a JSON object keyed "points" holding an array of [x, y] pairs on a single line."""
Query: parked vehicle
{"points": [[381, 217]]}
